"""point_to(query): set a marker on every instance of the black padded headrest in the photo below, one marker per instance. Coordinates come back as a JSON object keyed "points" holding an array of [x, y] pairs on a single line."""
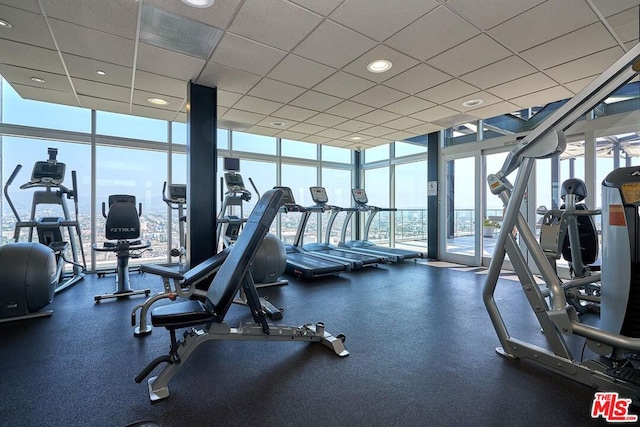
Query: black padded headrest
{"points": [[574, 186], [123, 222], [229, 278]]}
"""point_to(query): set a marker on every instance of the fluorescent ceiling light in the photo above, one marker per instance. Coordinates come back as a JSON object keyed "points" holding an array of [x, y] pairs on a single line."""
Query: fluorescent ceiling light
{"points": [[277, 123], [379, 66], [101, 73], [157, 101], [5, 24], [199, 3], [355, 138], [37, 80], [472, 102]]}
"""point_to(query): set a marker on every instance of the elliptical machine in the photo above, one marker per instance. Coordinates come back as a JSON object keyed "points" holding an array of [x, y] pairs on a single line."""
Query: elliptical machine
{"points": [[33, 272]]}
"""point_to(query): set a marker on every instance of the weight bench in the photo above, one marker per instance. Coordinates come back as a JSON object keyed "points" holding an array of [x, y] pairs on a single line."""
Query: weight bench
{"points": [[184, 285], [232, 275]]}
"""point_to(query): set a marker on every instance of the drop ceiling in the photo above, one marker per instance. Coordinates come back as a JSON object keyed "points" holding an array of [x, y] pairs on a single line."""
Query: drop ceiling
{"points": [[297, 69]]}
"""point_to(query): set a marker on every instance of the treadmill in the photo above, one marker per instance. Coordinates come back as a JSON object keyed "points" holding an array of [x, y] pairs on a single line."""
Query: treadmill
{"points": [[365, 246], [358, 259], [301, 263]]}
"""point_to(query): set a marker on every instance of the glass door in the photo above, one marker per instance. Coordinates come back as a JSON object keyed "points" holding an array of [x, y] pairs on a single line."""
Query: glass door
{"points": [[459, 208]]}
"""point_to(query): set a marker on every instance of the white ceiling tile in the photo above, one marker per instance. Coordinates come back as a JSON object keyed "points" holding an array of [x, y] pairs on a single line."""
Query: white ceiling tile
{"points": [[343, 85], [276, 91], [494, 110], [403, 123], [424, 129], [417, 79], [488, 13], [95, 103], [159, 84], [586, 66], [608, 7], [453, 89], [243, 116], [324, 7], [300, 71], [399, 135], [377, 131], [499, 72], [85, 68], [315, 139], [349, 109], [291, 112], [333, 133], [379, 96], [352, 126], [26, 56], [258, 18], [22, 76], [408, 105], [541, 98], [626, 25], [400, 62], [102, 90], [333, 45], [315, 101], [306, 128], [378, 116], [152, 59], [542, 23], [113, 17], [90, 43], [569, 47], [226, 98], [577, 85], [257, 105], [382, 20], [29, 28], [424, 39], [224, 78], [528, 84], [293, 136], [261, 130], [326, 120], [470, 55], [434, 113], [29, 5], [256, 58], [154, 113]]}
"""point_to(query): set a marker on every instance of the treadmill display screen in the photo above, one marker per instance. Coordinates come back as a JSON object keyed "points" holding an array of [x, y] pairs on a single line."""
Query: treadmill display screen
{"points": [[360, 196], [319, 194]]}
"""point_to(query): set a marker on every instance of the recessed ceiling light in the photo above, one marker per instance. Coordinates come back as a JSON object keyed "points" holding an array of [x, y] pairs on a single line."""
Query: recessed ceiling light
{"points": [[157, 101], [101, 73], [37, 80], [199, 3], [355, 138], [472, 102], [5, 24], [379, 66], [277, 123]]}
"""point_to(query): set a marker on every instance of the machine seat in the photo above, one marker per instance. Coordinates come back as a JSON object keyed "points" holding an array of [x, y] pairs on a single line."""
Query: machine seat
{"points": [[180, 315]]}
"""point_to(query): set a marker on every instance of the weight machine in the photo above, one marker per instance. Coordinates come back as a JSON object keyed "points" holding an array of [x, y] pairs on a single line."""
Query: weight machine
{"points": [[558, 319]]}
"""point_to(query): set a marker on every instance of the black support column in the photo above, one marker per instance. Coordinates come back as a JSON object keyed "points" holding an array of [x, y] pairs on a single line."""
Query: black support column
{"points": [[433, 153], [201, 173]]}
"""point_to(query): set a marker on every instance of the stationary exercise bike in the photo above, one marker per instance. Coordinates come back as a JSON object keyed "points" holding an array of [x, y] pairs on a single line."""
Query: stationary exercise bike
{"points": [[33, 272]]}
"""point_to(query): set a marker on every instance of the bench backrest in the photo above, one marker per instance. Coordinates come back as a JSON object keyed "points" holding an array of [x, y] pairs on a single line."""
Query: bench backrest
{"points": [[228, 280]]}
